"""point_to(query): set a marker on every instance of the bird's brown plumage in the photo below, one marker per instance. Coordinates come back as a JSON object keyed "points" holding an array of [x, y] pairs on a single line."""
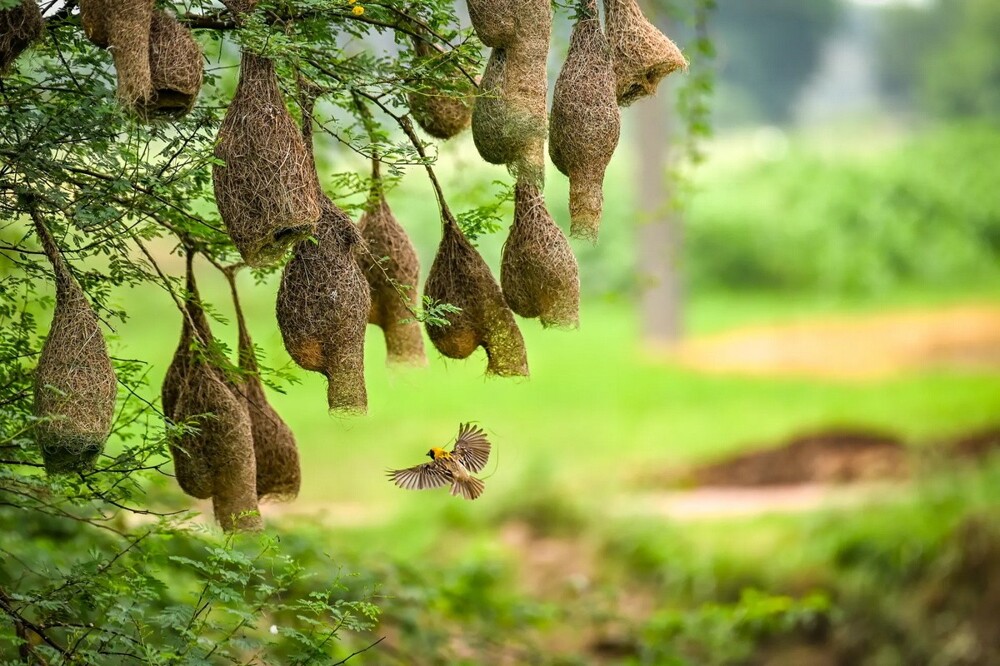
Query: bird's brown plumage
{"points": [[469, 455]]}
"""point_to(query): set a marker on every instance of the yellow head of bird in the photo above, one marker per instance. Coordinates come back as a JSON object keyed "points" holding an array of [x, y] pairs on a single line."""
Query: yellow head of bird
{"points": [[435, 453]]}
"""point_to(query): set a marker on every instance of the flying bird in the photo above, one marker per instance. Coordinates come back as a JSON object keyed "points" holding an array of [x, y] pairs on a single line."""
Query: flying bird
{"points": [[456, 467]]}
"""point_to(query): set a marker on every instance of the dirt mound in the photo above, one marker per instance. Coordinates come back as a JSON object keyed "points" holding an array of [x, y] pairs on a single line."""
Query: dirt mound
{"points": [[835, 456], [974, 446], [832, 456]]}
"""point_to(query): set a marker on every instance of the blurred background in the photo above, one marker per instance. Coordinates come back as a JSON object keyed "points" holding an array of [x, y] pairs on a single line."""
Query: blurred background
{"points": [[772, 438]]}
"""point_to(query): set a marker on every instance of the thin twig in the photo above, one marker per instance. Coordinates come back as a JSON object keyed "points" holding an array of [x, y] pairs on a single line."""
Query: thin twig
{"points": [[354, 654]]}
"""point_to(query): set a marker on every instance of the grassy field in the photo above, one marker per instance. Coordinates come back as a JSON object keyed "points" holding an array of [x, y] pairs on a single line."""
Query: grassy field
{"points": [[540, 568], [595, 411]]}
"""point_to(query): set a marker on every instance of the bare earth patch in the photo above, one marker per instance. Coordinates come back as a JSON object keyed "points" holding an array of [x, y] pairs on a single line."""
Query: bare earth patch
{"points": [[863, 347], [839, 467]]}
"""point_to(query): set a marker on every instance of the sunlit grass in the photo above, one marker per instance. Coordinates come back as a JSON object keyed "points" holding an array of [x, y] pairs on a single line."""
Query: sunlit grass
{"points": [[596, 411]]}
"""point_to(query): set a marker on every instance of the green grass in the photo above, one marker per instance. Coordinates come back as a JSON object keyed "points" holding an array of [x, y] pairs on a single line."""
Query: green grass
{"points": [[595, 413]]}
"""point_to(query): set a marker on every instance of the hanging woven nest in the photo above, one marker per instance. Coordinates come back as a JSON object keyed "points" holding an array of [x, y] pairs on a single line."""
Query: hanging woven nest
{"points": [[323, 308], [585, 123], [460, 277], [642, 55], [503, 23], [508, 120], [74, 384], [123, 28], [214, 453], [279, 474], [20, 25], [265, 191], [191, 464], [538, 272], [392, 269], [220, 435], [176, 67], [442, 115], [324, 301]]}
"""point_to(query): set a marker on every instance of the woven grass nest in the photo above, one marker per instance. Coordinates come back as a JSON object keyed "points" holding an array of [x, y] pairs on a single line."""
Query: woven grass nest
{"points": [[538, 271], [266, 190], [460, 277], [441, 115], [20, 25], [585, 123], [502, 23], [642, 55], [324, 301], [323, 308], [74, 384], [176, 67], [158, 62], [123, 28], [391, 266], [509, 116], [279, 473], [214, 454], [508, 120]]}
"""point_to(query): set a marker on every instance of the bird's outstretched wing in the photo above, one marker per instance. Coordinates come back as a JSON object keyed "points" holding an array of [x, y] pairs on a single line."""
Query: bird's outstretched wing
{"points": [[472, 449], [419, 477]]}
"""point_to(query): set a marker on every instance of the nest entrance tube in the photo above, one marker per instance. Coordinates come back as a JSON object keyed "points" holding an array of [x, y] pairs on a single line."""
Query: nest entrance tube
{"points": [[642, 55], [20, 25], [585, 123], [460, 277], [74, 384], [266, 190], [392, 269], [538, 272]]}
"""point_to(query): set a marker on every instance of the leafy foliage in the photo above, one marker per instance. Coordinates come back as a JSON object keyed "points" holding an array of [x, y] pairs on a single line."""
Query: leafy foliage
{"points": [[941, 58], [879, 223], [96, 567]]}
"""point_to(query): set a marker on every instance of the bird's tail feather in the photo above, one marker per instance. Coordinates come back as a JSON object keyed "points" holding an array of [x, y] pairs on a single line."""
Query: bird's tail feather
{"points": [[470, 488]]}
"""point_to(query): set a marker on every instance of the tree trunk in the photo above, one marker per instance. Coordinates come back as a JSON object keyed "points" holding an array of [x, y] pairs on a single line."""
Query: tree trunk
{"points": [[658, 236]]}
